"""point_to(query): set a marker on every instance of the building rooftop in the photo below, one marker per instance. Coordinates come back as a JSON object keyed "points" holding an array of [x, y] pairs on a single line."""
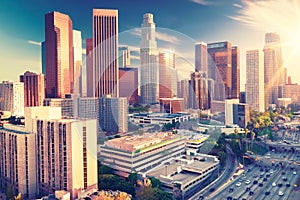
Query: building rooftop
{"points": [[142, 143], [19, 129]]}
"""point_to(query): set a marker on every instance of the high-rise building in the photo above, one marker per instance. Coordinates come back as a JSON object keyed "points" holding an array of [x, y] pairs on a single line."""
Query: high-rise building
{"points": [[113, 114], [124, 57], [274, 75], [59, 55], [148, 59], [18, 161], [128, 80], [201, 57], [198, 91], [12, 97], [255, 80], [90, 87], [105, 52], [43, 53], [167, 74], [77, 48], [171, 105], [220, 68], [34, 89], [211, 91], [183, 91], [235, 72]]}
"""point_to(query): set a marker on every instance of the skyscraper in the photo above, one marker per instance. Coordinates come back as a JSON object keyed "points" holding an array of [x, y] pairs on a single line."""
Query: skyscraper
{"points": [[198, 91], [90, 88], [201, 57], [124, 57], [43, 53], [273, 68], [235, 72], [167, 74], [59, 55], [128, 79], [148, 58], [220, 68], [77, 46], [105, 53], [34, 89], [255, 80], [12, 97]]}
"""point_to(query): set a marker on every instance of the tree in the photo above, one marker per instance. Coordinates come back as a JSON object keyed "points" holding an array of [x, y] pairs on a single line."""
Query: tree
{"points": [[155, 182], [104, 169], [112, 182], [9, 193], [145, 193], [19, 197], [133, 177], [161, 195]]}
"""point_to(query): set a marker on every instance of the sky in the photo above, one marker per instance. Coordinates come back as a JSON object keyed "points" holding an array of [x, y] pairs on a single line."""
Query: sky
{"points": [[180, 24]]}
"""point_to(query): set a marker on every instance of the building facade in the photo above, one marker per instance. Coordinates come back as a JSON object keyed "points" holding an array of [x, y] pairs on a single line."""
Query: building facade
{"points": [[105, 42], [148, 59], [255, 80], [59, 55], [77, 48], [198, 91], [128, 80], [90, 87], [235, 72], [201, 57], [171, 105], [124, 57], [34, 89]]}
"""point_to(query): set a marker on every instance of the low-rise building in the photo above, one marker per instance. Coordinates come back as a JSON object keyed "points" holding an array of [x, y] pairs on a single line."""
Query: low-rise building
{"points": [[140, 153], [159, 118]]}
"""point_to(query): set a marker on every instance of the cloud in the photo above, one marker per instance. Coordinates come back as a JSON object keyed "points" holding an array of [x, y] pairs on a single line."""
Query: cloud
{"points": [[34, 42], [237, 5], [167, 38], [202, 2]]}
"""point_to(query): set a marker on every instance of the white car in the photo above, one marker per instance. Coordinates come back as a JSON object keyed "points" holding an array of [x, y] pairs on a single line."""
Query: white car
{"points": [[247, 182], [280, 193], [273, 184], [294, 172], [238, 184]]}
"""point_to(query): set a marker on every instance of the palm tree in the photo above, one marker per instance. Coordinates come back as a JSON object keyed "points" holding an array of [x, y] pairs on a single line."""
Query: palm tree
{"points": [[252, 138], [246, 139]]}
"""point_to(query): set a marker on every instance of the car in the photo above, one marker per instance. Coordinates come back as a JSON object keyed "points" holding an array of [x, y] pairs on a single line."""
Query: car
{"points": [[288, 185], [283, 173], [284, 178], [279, 184], [280, 193], [265, 179], [271, 171], [238, 184], [260, 184], [230, 190], [248, 182], [261, 169], [267, 175], [267, 193], [255, 182], [201, 198], [251, 193], [248, 189], [273, 184], [229, 198], [212, 189], [294, 172]]}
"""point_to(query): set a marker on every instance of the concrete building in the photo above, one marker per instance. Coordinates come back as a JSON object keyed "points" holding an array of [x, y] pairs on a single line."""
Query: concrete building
{"points": [[159, 118], [183, 175], [128, 80], [171, 105], [124, 57], [90, 82], [113, 114], [194, 144], [284, 102], [201, 57], [105, 42], [67, 106], [148, 59], [229, 111], [77, 49], [183, 91], [12, 97], [140, 153], [43, 53], [59, 55], [255, 80], [291, 91], [241, 114], [34, 89], [198, 93], [18, 161], [217, 107], [235, 72]]}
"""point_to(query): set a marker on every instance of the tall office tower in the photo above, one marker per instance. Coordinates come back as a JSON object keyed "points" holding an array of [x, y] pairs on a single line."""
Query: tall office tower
{"points": [[90, 88], [124, 57], [18, 161], [59, 55], [77, 48], [12, 97], [211, 91], [34, 89], [113, 114], [255, 80], [105, 59], [128, 80], [43, 53], [166, 60], [201, 57], [235, 72], [183, 91], [220, 67], [148, 58], [62, 166], [198, 86]]}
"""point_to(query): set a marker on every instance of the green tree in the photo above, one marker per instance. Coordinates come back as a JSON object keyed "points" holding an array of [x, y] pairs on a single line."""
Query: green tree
{"points": [[9, 193], [104, 169], [112, 182], [161, 195], [155, 182], [133, 177]]}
